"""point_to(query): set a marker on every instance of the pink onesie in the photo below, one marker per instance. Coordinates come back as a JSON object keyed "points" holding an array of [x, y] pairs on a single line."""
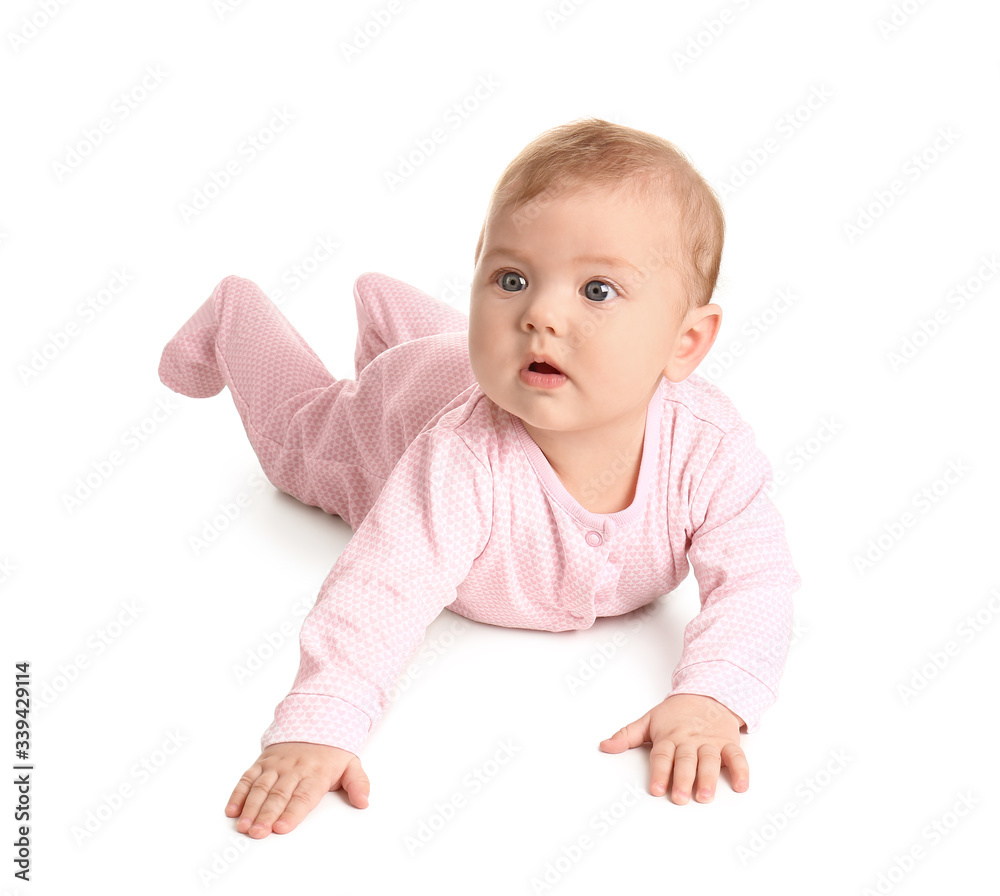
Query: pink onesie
{"points": [[454, 505]]}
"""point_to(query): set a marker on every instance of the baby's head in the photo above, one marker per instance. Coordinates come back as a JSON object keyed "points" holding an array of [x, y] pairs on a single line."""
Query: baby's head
{"points": [[600, 249]]}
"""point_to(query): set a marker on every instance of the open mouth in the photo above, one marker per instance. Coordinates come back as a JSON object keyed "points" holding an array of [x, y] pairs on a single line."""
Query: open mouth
{"points": [[542, 375], [542, 367]]}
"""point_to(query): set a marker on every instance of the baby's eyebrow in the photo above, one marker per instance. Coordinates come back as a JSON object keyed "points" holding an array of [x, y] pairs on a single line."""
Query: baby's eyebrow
{"points": [[610, 260], [509, 253]]}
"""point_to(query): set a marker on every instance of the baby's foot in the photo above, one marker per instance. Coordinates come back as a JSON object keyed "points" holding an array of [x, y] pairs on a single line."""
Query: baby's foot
{"points": [[188, 364]]}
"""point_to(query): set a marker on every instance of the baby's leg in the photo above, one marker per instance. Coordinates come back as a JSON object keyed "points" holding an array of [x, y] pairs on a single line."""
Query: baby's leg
{"points": [[290, 405], [391, 312]]}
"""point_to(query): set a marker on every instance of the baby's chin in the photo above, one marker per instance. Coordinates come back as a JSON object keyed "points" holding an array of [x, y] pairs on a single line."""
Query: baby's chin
{"points": [[532, 406], [541, 415]]}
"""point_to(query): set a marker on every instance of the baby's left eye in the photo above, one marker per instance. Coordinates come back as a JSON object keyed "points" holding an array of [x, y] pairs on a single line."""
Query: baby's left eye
{"points": [[595, 290]]}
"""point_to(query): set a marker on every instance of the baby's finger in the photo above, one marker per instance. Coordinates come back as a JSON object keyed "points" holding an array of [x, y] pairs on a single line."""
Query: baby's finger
{"points": [[634, 734], [662, 759], [739, 770], [308, 793], [356, 784], [709, 766], [259, 792], [273, 806], [685, 764], [239, 794]]}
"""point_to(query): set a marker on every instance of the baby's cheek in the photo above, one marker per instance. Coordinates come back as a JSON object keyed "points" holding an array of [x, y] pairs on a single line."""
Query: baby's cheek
{"points": [[475, 357], [484, 369]]}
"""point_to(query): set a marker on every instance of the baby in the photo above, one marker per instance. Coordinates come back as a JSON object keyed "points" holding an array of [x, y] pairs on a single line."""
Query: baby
{"points": [[548, 459]]}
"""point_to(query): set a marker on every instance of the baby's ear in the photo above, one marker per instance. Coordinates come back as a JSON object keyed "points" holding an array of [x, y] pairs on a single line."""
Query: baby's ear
{"points": [[697, 335]]}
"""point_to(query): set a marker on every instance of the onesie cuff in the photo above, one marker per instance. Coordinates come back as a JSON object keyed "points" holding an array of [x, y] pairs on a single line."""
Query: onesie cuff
{"points": [[318, 719], [726, 682]]}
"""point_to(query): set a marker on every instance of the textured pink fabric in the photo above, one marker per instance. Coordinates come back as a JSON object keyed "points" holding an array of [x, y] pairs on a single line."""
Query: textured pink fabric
{"points": [[454, 505]]}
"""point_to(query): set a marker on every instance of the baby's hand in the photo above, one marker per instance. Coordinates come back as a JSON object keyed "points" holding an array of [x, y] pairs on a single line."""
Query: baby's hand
{"points": [[288, 780], [687, 731]]}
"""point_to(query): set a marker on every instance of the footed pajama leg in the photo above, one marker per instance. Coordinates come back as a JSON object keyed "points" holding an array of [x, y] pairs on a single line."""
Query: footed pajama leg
{"points": [[330, 443]]}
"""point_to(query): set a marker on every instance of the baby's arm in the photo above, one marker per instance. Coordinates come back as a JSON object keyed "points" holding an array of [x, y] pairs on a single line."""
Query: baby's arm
{"points": [[401, 568], [735, 648]]}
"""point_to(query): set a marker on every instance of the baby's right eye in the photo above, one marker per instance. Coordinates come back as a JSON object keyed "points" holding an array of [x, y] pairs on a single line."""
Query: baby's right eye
{"points": [[510, 278]]}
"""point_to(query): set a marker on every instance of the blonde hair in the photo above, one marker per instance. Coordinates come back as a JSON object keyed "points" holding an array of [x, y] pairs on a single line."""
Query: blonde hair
{"points": [[593, 152]]}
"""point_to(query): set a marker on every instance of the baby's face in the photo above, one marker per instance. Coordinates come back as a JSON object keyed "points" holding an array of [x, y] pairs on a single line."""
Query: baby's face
{"points": [[546, 283]]}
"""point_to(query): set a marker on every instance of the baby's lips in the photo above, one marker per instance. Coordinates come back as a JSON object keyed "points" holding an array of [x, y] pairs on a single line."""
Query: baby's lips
{"points": [[537, 359], [548, 368]]}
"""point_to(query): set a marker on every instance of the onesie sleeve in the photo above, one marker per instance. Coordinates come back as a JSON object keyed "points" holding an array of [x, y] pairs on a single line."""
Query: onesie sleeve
{"points": [[401, 567], [735, 648]]}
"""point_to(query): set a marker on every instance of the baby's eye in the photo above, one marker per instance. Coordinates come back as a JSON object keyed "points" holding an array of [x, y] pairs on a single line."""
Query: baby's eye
{"points": [[511, 278], [594, 290]]}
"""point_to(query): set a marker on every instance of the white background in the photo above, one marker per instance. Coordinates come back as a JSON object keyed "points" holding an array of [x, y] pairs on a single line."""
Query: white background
{"points": [[76, 382]]}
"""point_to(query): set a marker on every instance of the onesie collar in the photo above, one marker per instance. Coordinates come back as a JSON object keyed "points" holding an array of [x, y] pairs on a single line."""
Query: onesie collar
{"points": [[606, 522]]}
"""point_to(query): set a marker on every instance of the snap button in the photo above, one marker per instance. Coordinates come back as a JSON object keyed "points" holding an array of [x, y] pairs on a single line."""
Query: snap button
{"points": [[594, 538]]}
